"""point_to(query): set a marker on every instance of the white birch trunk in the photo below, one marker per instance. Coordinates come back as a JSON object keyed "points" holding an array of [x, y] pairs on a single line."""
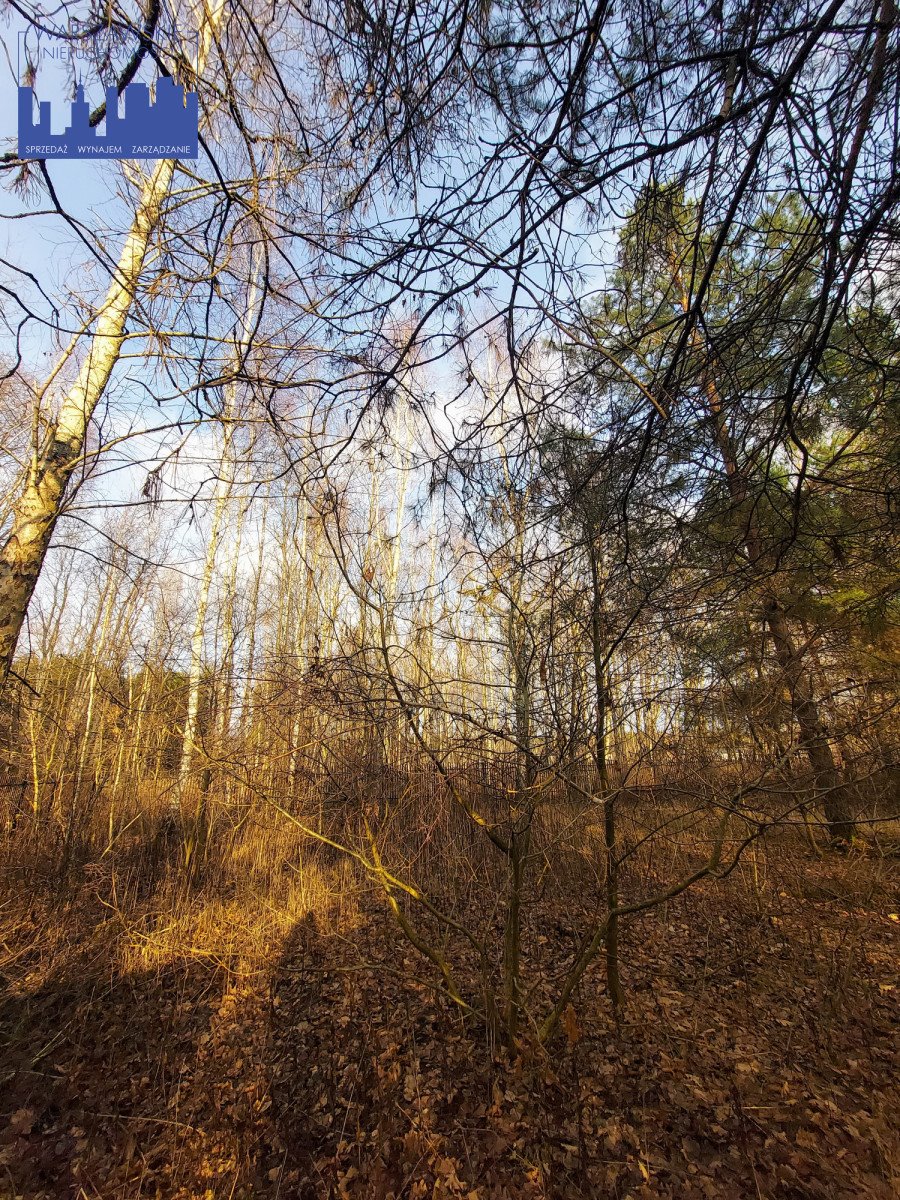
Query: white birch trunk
{"points": [[37, 509], [195, 671]]}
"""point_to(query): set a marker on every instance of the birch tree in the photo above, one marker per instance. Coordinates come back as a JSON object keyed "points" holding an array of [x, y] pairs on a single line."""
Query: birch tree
{"points": [[57, 454]]}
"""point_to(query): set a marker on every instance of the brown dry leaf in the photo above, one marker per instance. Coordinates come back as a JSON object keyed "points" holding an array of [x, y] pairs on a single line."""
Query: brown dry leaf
{"points": [[22, 1121], [446, 1169], [570, 1025]]}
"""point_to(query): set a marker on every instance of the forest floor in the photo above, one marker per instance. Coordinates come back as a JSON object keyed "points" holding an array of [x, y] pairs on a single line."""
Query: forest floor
{"points": [[206, 1050]]}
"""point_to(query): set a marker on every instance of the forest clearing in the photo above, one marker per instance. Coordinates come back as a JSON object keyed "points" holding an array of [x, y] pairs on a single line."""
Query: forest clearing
{"points": [[449, 582]]}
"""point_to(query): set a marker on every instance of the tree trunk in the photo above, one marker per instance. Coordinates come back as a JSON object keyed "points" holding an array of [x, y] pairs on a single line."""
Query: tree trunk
{"points": [[191, 721], [826, 776], [221, 500], [611, 865], [35, 513], [813, 738], [37, 510]]}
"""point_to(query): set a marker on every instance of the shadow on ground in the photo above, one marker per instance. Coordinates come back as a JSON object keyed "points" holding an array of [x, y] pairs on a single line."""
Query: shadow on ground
{"points": [[757, 1059]]}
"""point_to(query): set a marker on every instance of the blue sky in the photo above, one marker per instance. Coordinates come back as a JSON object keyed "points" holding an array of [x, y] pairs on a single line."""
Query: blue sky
{"points": [[33, 238]]}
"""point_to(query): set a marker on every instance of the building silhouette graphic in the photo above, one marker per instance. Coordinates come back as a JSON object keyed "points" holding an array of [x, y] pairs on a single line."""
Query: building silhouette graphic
{"points": [[166, 128]]}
